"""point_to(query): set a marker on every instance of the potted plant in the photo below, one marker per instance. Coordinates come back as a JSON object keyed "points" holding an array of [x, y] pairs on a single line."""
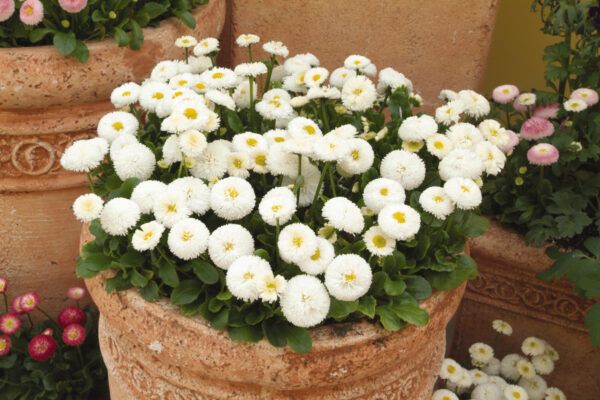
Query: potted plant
{"points": [[547, 196], [58, 70], [278, 229]]}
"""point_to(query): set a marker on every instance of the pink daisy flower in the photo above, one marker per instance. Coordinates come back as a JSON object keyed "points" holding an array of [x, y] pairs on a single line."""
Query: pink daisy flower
{"points": [[29, 301], [42, 347], [72, 6], [513, 141], [536, 128], [15, 306], [543, 154], [31, 12], [76, 293], [590, 96], [504, 94], [7, 9], [5, 345], [73, 335], [3, 282], [71, 315], [548, 111], [524, 101], [10, 323]]}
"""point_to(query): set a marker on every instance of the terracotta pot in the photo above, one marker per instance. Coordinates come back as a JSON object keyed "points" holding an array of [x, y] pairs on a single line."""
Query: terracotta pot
{"points": [[153, 352], [508, 289], [46, 102], [437, 44]]}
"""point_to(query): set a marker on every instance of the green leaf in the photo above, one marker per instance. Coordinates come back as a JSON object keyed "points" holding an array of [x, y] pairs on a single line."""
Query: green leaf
{"points": [[186, 17], [205, 271], [593, 246], [411, 313], [168, 273], [7, 362], [592, 321], [299, 339], [394, 288], [186, 292], [132, 259], [418, 287], [137, 36], [138, 279], [150, 292], [81, 53], [234, 121], [121, 37], [117, 283], [466, 269], [91, 265], [220, 320], [38, 34], [274, 331], [366, 305], [246, 334], [262, 253], [341, 309], [388, 318], [65, 43], [474, 225]]}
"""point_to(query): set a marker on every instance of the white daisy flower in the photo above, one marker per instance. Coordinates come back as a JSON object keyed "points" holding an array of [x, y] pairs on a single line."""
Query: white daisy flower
{"points": [[274, 109], [247, 39], [487, 391], [189, 115], [514, 392], [444, 394], [304, 128], [164, 70], [464, 135], [276, 48], [494, 132], [126, 94], [252, 69], [348, 277], [369, 70], [87, 207], [449, 114], [481, 353], [533, 346], [439, 145], [527, 99], [399, 221], [356, 62], [206, 46], [321, 258], [475, 104], [147, 236], [229, 242], [417, 128], [277, 206], [275, 136], [84, 155], [378, 243], [258, 159], [323, 92], [294, 83], [196, 192], [171, 207], [435, 201], [118, 216], [212, 164], [404, 167], [465, 381], [358, 93], [502, 327], [543, 364], [413, 147], [383, 191], [305, 301], [498, 381], [492, 368], [220, 98], [296, 243], [282, 162], [144, 194], [248, 142], [152, 93], [134, 161], [461, 163], [199, 64], [575, 105], [551, 352], [232, 198], [447, 95], [188, 238], [508, 366], [270, 287], [183, 81], [555, 394], [171, 151], [464, 192], [219, 78], [340, 76], [492, 157], [185, 42], [308, 189], [359, 158], [278, 74], [343, 215], [300, 62], [331, 147], [238, 164], [390, 78], [117, 123], [451, 370], [192, 143], [315, 76], [526, 368], [241, 94], [244, 277], [478, 377]]}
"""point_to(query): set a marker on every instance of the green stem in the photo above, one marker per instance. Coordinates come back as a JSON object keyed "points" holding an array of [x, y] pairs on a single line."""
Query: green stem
{"points": [[54, 324], [563, 83], [30, 320], [332, 182], [250, 52], [187, 53], [251, 89], [90, 182], [296, 186], [269, 73], [324, 116], [314, 202]]}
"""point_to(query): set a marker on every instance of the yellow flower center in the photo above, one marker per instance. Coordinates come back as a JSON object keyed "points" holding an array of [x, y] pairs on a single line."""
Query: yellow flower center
{"points": [[218, 75], [355, 154], [438, 199], [237, 163], [276, 208], [251, 142], [357, 91], [316, 77], [351, 277], [228, 246], [464, 188], [171, 208], [297, 241], [438, 144], [176, 95], [506, 91], [309, 129], [200, 85], [316, 256], [190, 113], [248, 275], [384, 191], [279, 139], [271, 285], [148, 235], [28, 10], [400, 217], [232, 193], [451, 369], [187, 236], [275, 103], [73, 334], [182, 82], [516, 395], [126, 93], [158, 95], [356, 62], [3, 345], [260, 160], [88, 205], [118, 126], [379, 241]]}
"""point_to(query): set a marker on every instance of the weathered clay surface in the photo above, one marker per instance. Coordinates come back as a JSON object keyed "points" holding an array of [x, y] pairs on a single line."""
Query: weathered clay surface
{"points": [[154, 352], [508, 289], [438, 44], [46, 102]]}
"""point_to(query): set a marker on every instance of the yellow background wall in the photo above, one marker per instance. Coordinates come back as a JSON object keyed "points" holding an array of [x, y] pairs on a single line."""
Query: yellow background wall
{"points": [[517, 48]]}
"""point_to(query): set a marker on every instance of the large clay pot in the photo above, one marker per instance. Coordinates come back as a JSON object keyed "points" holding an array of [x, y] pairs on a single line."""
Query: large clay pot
{"points": [[508, 289], [154, 352], [438, 44], [46, 102]]}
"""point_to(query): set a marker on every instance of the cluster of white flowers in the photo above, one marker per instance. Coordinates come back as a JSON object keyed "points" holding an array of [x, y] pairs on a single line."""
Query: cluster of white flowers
{"points": [[514, 377], [192, 97]]}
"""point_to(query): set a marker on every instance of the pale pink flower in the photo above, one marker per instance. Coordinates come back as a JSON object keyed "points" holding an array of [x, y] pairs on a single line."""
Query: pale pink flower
{"points": [[72, 6], [7, 9], [590, 96], [76, 293], [524, 102], [513, 141], [504, 94], [536, 128], [543, 154], [31, 12], [548, 111]]}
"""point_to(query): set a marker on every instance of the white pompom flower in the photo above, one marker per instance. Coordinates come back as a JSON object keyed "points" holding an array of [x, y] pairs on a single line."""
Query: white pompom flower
{"points": [[147, 236], [250, 69], [171, 151], [487, 391], [526, 368], [404, 167], [358, 93], [502, 327], [359, 157], [305, 301], [152, 94], [383, 191], [206, 46], [533, 346], [320, 259], [535, 387], [555, 394], [271, 287], [514, 392], [464, 135], [241, 94], [343, 215], [451, 370], [356, 61], [543, 364], [282, 162], [275, 136], [244, 277], [117, 123], [399, 221], [188, 238], [296, 243], [417, 128], [119, 143], [196, 193], [464, 192], [119, 215], [390, 78], [378, 243], [492, 157], [248, 142], [331, 147], [481, 353], [170, 207], [247, 39], [435, 201], [340, 76], [450, 113], [124, 95], [478, 377], [84, 155], [494, 132], [212, 164], [315, 76], [508, 366], [238, 164], [476, 105], [444, 394], [439, 145], [219, 78], [229, 242], [232, 198], [87, 207], [276, 48], [461, 163], [144, 194], [192, 143], [134, 161], [220, 98], [277, 206]]}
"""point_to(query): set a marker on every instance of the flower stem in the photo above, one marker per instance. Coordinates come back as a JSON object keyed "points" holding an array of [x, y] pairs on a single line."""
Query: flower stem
{"points": [[296, 186], [324, 116], [332, 182], [269, 74], [250, 52], [323, 173], [49, 318], [90, 182], [30, 320], [507, 117], [251, 89], [187, 52]]}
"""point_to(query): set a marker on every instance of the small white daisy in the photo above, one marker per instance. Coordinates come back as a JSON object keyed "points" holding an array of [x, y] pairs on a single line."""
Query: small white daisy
{"points": [[481, 353], [417, 128], [343, 215], [134, 161], [461, 163], [188, 238], [277, 206], [171, 207], [87, 207], [206, 46], [359, 158], [124, 95], [533, 346], [435, 201], [270, 287], [382, 191], [247, 39], [404, 167], [320, 259], [147, 236], [340, 76], [229, 242], [439, 145], [502, 327], [276, 48], [185, 42], [358, 93], [144, 194], [451, 370], [192, 143], [378, 243], [575, 105], [119, 215], [514, 392], [117, 123], [196, 193], [232, 198], [399, 221], [296, 243], [464, 192], [244, 276], [84, 155], [305, 301]]}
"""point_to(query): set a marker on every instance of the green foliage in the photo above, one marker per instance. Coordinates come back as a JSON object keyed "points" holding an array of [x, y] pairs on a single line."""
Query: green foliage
{"points": [[100, 19]]}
